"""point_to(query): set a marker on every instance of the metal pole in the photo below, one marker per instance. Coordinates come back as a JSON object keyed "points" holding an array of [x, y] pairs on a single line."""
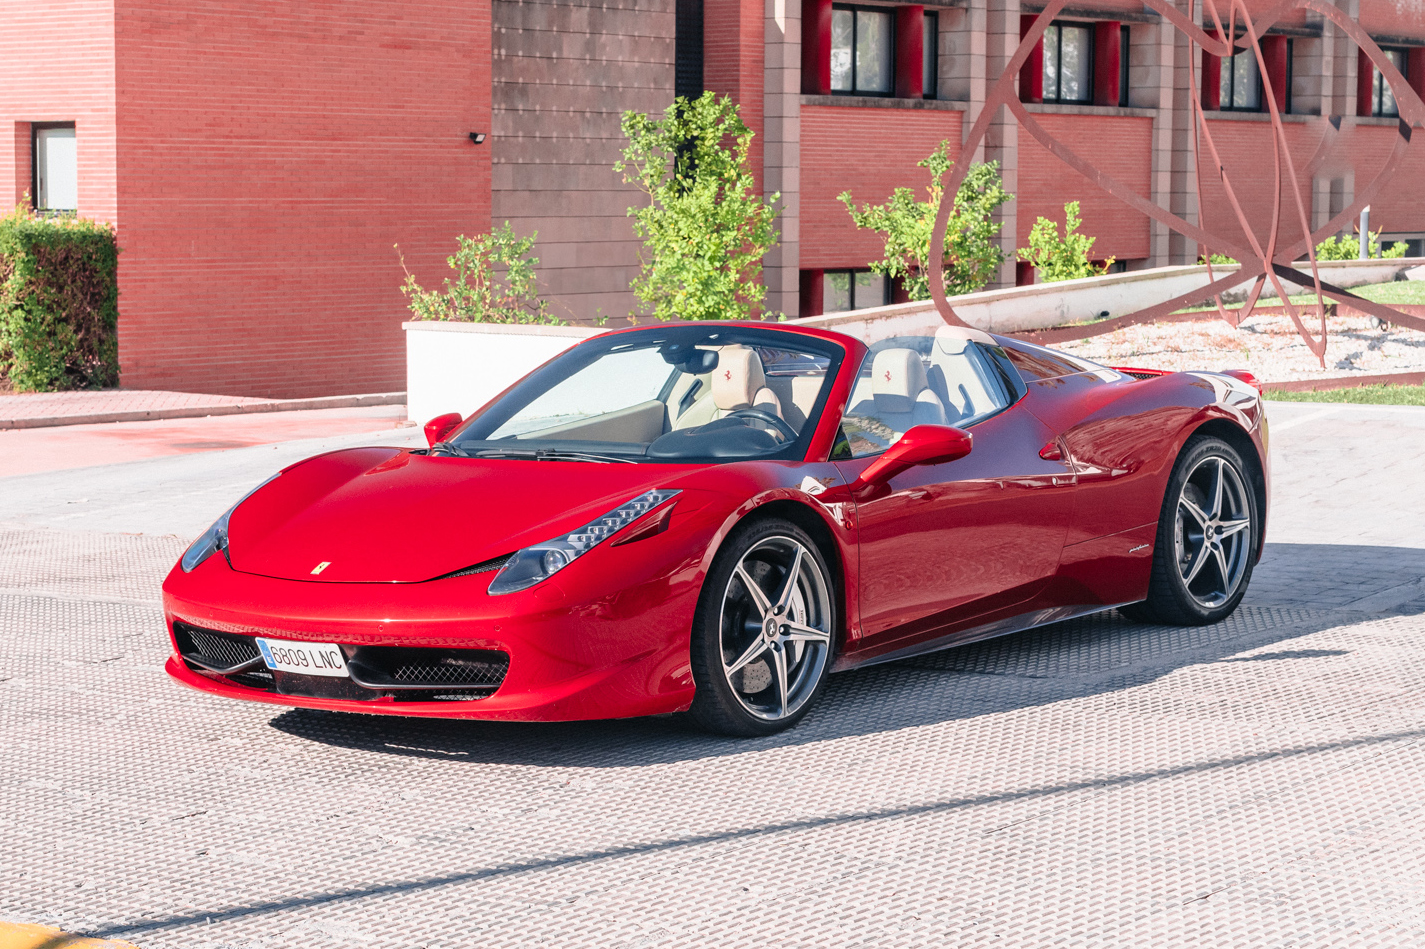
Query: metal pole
{"points": [[1365, 232]]}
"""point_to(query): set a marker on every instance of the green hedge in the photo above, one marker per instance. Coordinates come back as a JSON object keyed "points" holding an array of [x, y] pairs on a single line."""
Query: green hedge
{"points": [[59, 303]]}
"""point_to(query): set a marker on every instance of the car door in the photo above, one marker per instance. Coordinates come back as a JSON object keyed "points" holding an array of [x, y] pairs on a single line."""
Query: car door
{"points": [[942, 544]]}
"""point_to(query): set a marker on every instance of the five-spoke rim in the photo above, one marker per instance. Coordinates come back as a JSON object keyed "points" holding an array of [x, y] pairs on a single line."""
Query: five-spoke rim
{"points": [[1213, 531], [775, 627]]}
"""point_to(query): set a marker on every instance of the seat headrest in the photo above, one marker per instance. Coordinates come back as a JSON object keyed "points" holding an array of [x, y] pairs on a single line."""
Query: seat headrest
{"points": [[897, 377], [737, 378]]}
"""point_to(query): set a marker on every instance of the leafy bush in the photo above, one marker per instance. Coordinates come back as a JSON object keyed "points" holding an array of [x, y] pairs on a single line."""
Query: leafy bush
{"points": [[59, 302], [1218, 259], [1349, 248], [972, 257], [1061, 258], [705, 228], [494, 283]]}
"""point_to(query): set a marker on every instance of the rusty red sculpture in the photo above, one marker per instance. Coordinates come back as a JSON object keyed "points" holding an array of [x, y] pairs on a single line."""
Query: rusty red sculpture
{"points": [[1259, 263]]}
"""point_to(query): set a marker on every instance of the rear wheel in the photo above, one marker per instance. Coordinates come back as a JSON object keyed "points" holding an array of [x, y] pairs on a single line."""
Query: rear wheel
{"points": [[762, 639], [1207, 538]]}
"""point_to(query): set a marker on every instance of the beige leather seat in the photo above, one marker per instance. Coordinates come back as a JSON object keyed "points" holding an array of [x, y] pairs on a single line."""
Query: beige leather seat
{"points": [[738, 382], [901, 396], [954, 375]]}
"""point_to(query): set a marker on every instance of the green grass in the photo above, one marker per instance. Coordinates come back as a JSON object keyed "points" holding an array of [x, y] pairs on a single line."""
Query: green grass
{"points": [[1398, 292], [1360, 395]]}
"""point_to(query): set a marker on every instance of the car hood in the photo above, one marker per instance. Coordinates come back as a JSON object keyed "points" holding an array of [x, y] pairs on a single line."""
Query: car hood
{"points": [[385, 515]]}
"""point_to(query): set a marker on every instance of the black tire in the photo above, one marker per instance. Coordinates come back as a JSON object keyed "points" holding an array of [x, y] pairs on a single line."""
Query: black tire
{"points": [[765, 694], [1202, 565]]}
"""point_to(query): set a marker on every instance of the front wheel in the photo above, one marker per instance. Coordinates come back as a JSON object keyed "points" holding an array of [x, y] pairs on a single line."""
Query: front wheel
{"points": [[762, 639], [1207, 538]]}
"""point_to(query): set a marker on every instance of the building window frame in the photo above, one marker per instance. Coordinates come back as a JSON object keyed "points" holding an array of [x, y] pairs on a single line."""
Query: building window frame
{"points": [[1379, 87], [850, 273], [1056, 30], [930, 56], [1226, 90], [856, 11], [36, 128], [1124, 47]]}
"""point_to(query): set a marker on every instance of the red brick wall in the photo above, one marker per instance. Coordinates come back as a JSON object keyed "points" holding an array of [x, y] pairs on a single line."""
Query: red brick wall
{"points": [[1400, 206], [1246, 150], [269, 156], [869, 152], [734, 55], [57, 65], [1119, 145]]}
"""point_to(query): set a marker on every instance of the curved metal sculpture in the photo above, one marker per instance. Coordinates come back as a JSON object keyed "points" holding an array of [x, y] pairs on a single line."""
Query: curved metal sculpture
{"points": [[1259, 263]]}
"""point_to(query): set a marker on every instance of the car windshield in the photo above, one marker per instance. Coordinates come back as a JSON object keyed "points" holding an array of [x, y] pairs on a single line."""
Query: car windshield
{"points": [[674, 393]]}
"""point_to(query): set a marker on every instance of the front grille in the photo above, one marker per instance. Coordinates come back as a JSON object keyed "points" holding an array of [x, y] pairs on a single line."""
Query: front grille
{"points": [[400, 673], [213, 648], [409, 668], [1141, 375]]}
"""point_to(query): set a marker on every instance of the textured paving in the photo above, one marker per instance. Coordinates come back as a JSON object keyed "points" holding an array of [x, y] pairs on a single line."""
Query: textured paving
{"points": [[1097, 783]]}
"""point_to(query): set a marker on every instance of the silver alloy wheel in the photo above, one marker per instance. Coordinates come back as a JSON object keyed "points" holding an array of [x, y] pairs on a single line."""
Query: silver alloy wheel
{"points": [[775, 626], [1213, 531]]}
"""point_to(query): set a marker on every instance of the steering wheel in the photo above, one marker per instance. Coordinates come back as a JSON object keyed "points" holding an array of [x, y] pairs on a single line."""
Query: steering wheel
{"points": [[771, 418]]}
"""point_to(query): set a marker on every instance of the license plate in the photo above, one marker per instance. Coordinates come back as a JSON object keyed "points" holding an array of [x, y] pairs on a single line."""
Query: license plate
{"points": [[312, 659]]}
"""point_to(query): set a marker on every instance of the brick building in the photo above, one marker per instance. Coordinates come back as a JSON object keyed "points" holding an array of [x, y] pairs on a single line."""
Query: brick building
{"points": [[260, 160]]}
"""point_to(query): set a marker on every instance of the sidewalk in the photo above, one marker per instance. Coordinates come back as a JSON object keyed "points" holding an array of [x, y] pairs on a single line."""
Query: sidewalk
{"points": [[48, 409]]}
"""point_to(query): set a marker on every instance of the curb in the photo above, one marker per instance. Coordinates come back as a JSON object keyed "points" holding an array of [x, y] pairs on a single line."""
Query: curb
{"points": [[243, 408], [24, 936], [1349, 382]]}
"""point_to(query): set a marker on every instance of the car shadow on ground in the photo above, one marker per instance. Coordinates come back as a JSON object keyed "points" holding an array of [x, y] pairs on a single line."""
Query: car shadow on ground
{"points": [[1300, 589]]}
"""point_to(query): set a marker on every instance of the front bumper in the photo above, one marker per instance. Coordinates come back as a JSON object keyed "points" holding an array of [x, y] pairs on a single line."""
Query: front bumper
{"points": [[580, 646]]}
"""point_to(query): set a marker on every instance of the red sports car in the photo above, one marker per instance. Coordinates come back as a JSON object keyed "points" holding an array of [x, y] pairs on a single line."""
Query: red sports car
{"points": [[711, 518]]}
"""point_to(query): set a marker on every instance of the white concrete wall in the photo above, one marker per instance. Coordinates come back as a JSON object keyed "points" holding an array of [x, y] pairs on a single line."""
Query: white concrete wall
{"points": [[1045, 305], [458, 367]]}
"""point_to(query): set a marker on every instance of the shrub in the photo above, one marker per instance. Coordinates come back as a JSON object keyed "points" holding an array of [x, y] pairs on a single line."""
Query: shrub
{"points": [[494, 283], [1061, 258], [1349, 248], [706, 227], [59, 302], [1219, 259], [972, 257]]}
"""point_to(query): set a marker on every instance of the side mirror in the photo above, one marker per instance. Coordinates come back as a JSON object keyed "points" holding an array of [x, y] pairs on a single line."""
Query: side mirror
{"points": [[440, 426], [922, 445]]}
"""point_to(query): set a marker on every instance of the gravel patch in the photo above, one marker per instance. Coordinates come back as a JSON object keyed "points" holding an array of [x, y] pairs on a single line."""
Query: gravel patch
{"points": [[1268, 346]]}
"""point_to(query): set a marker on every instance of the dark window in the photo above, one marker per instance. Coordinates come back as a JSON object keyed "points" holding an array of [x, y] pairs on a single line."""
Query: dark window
{"points": [[55, 164], [1068, 62], [1241, 88], [862, 51], [1123, 66], [1290, 71], [930, 77], [853, 290], [1382, 98], [688, 49]]}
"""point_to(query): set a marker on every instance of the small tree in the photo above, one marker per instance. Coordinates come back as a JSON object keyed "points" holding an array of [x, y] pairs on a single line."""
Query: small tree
{"points": [[972, 256], [494, 283], [705, 228], [1061, 258]]}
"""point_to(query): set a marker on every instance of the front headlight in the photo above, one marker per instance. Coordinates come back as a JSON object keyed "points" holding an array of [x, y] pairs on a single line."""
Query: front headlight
{"points": [[215, 538], [541, 561]]}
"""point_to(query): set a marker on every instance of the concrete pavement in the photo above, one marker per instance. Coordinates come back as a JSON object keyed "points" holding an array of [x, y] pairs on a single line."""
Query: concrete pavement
{"points": [[1097, 783]]}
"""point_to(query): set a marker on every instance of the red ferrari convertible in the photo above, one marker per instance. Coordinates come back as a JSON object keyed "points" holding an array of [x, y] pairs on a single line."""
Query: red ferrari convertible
{"points": [[711, 518]]}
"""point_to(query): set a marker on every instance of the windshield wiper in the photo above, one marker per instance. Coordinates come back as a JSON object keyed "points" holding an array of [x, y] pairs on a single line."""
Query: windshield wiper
{"points": [[551, 454], [448, 447]]}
